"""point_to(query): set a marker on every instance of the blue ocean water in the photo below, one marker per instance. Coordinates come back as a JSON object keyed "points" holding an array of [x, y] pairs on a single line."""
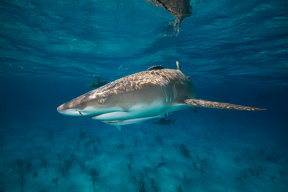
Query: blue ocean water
{"points": [[233, 51]]}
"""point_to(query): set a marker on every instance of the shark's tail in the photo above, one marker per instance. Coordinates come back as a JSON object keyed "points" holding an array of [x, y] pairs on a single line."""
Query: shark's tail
{"points": [[219, 105]]}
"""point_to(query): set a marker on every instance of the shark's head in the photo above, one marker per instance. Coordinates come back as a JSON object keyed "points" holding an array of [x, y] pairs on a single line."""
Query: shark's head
{"points": [[90, 104], [132, 98], [110, 103]]}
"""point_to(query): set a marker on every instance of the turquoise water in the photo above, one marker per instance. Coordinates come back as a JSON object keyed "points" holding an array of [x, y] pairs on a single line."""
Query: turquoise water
{"points": [[233, 51]]}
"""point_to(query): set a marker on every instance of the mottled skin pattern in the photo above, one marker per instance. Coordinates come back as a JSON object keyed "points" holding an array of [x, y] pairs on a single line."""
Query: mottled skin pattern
{"points": [[142, 87], [179, 8], [141, 96]]}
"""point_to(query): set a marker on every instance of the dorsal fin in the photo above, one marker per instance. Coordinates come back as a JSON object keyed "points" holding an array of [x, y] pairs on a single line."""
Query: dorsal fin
{"points": [[157, 67], [178, 66]]}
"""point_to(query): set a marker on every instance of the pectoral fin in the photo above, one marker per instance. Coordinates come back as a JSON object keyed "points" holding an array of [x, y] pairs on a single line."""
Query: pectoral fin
{"points": [[118, 127], [219, 105], [194, 109]]}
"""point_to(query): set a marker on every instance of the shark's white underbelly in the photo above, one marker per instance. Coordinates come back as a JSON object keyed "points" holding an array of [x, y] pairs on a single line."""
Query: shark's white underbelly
{"points": [[142, 110]]}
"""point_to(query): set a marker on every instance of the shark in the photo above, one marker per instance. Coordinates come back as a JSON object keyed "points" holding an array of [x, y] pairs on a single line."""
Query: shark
{"points": [[178, 8], [142, 96]]}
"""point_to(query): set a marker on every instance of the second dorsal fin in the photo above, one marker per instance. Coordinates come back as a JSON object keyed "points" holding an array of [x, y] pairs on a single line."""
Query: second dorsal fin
{"points": [[157, 67]]}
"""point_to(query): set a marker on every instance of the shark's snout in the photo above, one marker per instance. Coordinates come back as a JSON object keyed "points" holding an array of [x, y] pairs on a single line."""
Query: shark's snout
{"points": [[83, 108], [60, 108], [66, 110]]}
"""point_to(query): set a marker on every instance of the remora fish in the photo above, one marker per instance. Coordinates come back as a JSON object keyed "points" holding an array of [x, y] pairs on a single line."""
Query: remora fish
{"points": [[141, 96], [208, 148], [164, 121], [96, 83], [159, 165]]}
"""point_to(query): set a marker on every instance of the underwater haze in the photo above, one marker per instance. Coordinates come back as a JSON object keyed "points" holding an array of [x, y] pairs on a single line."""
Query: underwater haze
{"points": [[233, 51]]}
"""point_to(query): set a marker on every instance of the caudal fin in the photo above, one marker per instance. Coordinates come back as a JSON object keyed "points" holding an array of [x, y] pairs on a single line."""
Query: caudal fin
{"points": [[219, 105]]}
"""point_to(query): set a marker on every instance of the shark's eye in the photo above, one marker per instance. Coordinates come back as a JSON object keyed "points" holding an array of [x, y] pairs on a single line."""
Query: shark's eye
{"points": [[101, 100]]}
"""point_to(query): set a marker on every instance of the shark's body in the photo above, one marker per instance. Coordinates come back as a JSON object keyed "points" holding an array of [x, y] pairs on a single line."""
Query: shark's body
{"points": [[139, 97]]}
